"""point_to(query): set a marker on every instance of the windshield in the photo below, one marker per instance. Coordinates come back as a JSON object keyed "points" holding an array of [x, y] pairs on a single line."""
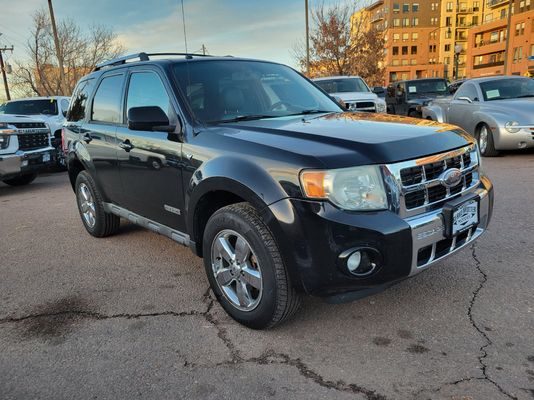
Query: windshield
{"points": [[514, 88], [229, 90], [415, 88], [343, 85], [32, 107]]}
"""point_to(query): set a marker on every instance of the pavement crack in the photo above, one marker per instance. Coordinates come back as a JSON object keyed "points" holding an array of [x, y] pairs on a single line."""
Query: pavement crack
{"points": [[483, 349]]}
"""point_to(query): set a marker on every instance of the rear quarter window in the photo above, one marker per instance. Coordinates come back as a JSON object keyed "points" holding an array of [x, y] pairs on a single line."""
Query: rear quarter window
{"points": [[78, 105]]}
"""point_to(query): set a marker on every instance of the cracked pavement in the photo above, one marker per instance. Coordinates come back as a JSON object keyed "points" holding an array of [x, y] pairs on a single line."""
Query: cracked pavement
{"points": [[131, 316]]}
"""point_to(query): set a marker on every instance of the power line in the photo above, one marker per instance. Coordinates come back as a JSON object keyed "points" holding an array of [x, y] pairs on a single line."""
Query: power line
{"points": [[3, 68]]}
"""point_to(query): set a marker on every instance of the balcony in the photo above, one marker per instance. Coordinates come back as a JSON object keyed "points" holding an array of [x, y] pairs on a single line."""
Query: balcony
{"points": [[496, 3], [377, 17], [488, 65]]}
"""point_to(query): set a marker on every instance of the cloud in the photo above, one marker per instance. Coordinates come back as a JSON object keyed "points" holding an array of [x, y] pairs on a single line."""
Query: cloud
{"points": [[224, 28]]}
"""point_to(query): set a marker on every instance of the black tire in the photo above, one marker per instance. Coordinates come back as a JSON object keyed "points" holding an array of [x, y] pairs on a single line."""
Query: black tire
{"points": [[105, 224], [415, 114], [489, 149], [279, 300], [21, 180]]}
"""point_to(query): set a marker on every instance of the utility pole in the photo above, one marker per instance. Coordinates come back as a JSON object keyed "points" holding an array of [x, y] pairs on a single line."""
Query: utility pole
{"points": [[508, 30], [203, 50], [58, 48], [307, 40], [3, 68]]}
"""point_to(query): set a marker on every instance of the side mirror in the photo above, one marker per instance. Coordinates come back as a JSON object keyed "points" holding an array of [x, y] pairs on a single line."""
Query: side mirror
{"points": [[150, 118], [465, 99]]}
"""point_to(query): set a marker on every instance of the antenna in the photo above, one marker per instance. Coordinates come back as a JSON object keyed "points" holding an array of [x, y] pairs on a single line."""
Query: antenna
{"points": [[183, 21]]}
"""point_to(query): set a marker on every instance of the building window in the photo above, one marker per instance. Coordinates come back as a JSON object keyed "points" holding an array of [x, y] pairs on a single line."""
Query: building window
{"points": [[532, 50], [449, 6], [447, 60], [405, 37], [395, 50], [413, 61], [447, 47], [396, 37], [434, 6], [494, 37], [448, 21], [406, 7], [415, 7], [474, 21], [478, 60], [404, 62], [404, 50], [433, 21], [414, 50], [406, 22], [476, 6], [463, 7], [396, 22], [518, 54], [415, 21], [396, 62], [519, 29], [415, 36], [396, 8], [488, 18]]}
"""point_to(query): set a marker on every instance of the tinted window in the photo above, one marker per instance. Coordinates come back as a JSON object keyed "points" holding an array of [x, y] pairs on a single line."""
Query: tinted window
{"points": [[467, 90], [32, 107], [79, 100], [146, 89], [106, 104], [223, 90], [438, 86], [343, 85], [507, 88]]}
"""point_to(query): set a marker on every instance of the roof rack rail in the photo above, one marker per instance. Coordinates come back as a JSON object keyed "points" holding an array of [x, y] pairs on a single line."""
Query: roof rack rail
{"points": [[143, 57]]}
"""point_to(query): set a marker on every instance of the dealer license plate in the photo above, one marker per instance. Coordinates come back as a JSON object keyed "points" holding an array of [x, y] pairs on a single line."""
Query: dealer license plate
{"points": [[465, 216]]}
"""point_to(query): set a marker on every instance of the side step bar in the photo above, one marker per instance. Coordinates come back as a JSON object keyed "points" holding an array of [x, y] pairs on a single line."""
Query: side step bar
{"points": [[137, 219]]}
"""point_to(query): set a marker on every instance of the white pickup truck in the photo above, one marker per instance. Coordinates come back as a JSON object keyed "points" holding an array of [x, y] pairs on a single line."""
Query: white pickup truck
{"points": [[25, 149]]}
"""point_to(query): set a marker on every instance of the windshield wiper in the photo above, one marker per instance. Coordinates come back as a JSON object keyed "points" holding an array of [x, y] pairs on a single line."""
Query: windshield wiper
{"points": [[525, 95], [307, 112], [244, 118]]}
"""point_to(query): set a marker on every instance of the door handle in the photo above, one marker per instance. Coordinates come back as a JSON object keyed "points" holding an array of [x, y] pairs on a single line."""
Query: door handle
{"points": [[126, 145], [87, 137]]}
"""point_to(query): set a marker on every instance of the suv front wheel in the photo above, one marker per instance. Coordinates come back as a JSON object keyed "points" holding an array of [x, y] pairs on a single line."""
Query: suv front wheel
{"points": [[91, 207], [245, 269]]}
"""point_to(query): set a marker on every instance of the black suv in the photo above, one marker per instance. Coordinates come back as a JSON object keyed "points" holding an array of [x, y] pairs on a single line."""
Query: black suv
{"points": [[263, 175], [408, 97]]}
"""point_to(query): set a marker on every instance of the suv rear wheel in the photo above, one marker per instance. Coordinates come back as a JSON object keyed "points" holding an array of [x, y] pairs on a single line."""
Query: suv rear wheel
{"points": [[91, 207], [245, 269], [21, 180]]}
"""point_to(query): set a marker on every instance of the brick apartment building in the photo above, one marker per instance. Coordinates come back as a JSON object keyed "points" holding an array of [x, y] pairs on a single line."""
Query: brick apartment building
{"points": [[451, 39]]}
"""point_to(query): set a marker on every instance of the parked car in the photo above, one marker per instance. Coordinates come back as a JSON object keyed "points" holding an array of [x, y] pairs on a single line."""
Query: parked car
{"points": [[380, 91], [269, 180], [24, 149], [497, 111], [354, 93], [408, 97], [454, 86], [51, 110]]}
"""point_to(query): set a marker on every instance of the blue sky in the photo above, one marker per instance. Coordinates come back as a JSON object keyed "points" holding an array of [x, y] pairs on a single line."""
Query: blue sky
{"points": [[250, 28]]}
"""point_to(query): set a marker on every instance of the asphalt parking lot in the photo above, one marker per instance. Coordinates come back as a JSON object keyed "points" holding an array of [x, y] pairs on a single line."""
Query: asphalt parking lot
{"points": [[131, 316]]}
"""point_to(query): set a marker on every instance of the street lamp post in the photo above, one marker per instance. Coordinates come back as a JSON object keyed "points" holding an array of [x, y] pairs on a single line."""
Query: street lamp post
{"points": [[457, 50], [307, 39]]}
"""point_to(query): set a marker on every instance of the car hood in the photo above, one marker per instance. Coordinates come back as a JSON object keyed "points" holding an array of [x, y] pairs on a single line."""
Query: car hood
{"points": [[517, 109], [355, 96], [347, 139], [19, 118]]}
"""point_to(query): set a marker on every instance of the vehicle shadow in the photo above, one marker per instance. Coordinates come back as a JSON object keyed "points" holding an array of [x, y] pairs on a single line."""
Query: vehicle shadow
{"points": [[48, 181]]}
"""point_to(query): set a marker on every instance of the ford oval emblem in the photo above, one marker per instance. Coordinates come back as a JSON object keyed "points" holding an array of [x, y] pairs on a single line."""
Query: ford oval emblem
{"points": [[451, 177]]}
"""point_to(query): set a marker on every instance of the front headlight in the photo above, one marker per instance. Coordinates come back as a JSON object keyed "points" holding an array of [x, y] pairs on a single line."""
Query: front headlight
{"points": [[4, 141], [381, 107], [509, 126], [355, 188]]}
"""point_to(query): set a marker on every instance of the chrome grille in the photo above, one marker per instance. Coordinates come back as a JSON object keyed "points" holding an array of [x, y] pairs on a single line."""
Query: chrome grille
{"points": [[416, 187], [28, 125], [32, 141]]}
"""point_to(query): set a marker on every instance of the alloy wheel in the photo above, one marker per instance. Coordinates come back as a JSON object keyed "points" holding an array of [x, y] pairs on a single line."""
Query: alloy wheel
{"points": [[236, 270], [87, 205]]}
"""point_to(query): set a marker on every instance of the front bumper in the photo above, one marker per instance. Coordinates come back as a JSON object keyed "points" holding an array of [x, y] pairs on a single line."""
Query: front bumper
{"points": [[524, 139], [23, 162], [312, 235]]}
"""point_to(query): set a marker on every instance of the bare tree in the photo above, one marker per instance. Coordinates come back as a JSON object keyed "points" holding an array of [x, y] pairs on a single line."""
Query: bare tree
{"points": [[39, 73], [343, 43]]}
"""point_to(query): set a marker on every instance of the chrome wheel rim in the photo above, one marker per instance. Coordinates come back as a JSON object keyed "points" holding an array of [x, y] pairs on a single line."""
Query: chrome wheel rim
{"points": [[236, 270], [87, 205], [483, 139]]}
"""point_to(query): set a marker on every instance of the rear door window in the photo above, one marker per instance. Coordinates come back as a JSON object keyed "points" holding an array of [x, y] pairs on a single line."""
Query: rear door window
{"points": [[107, 100]]}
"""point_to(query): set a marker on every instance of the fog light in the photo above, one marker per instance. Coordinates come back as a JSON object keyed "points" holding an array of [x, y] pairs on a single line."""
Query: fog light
{"points": [[354, 261], [360, 262]]}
